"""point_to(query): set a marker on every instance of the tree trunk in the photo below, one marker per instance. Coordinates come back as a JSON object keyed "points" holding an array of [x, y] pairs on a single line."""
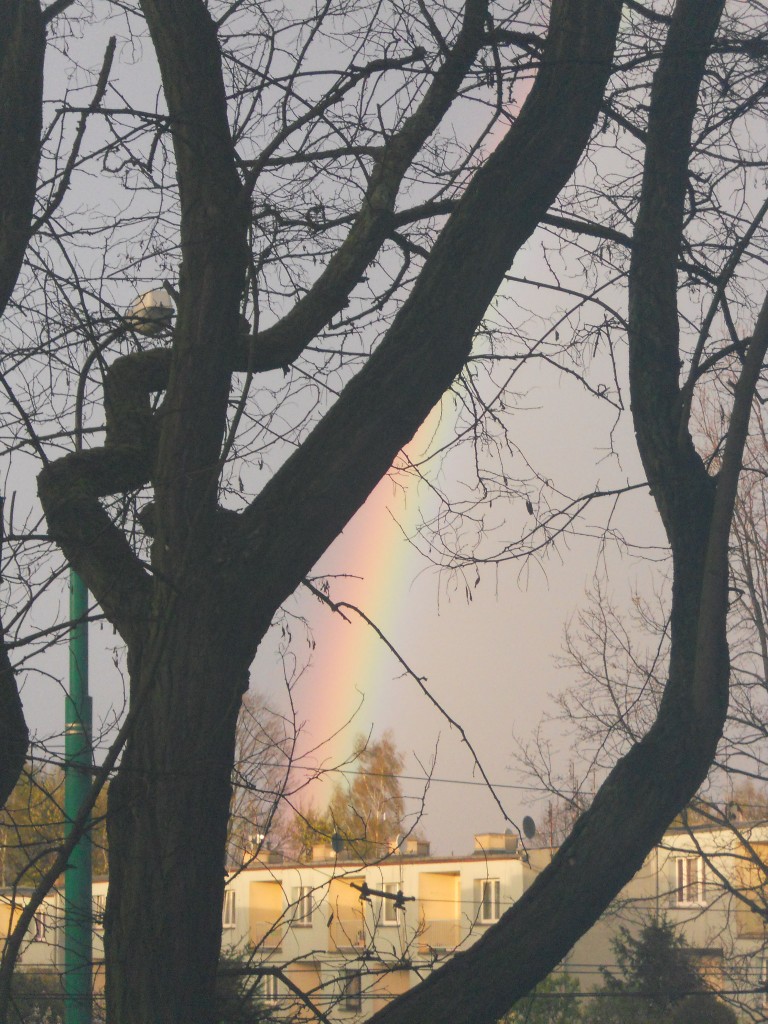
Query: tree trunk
{"points": [[22, 52], [167, 870]]}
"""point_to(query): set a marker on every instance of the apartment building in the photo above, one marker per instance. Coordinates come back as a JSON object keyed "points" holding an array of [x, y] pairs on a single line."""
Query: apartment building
{"points": [[711, 884], [342, 937], [39, 949], [346, 937]]}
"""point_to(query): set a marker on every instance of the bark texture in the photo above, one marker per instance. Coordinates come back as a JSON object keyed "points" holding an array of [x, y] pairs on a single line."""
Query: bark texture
{"points": [[22, 51], [168, 819]]}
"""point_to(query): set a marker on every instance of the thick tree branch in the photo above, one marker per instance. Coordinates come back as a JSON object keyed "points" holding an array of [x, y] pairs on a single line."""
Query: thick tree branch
{"points": [[328, 479], [69, 490], [527, 41], [665, 444], [55, 9], [22, 52], [214, 220], [71, 487], [586, 227], [695, 509], [647, 12]]}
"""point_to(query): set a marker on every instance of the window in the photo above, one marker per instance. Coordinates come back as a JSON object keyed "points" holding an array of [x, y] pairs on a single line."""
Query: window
{"points": [[228, 917], [708, 964], [302, 906], [353, 990], [99, 906], [269, 991], [490, 891], [41, 926], [388, 909], [688, 887]]}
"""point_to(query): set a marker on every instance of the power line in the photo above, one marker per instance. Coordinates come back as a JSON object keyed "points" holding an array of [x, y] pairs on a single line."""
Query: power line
{"points": [[429, 779]]}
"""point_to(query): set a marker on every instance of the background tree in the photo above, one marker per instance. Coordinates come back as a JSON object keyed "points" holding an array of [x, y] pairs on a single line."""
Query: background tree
{"points": [[32, 827], [264, 749], [657, 983], [620, 664], [620, 660], [554, 1001], [238, 993], [241, 171], [366, 811], [307, 827], [369, 811]]}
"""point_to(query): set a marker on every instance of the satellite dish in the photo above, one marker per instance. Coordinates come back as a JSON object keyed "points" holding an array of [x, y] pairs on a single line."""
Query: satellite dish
{"points": [[529, 827]]}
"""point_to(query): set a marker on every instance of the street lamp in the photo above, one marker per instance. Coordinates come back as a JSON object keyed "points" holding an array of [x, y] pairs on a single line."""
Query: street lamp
{"points": [[149, 314], [78, 946]]}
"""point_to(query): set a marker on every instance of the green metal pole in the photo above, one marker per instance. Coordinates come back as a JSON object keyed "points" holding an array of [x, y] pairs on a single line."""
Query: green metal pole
{"points": [[78, 951]]}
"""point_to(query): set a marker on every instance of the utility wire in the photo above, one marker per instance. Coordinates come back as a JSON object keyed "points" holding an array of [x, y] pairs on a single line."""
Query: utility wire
{"points": [[298, 766]]}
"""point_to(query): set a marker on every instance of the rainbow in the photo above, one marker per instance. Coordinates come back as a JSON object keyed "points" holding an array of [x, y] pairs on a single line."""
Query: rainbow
{"points": [[352, 674]]}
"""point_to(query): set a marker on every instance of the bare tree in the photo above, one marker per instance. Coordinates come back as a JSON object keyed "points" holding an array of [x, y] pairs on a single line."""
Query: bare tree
{"points": [[696, 507], [620, 664], [286, 144], [264, 748], [620, 660], [217, 577]]}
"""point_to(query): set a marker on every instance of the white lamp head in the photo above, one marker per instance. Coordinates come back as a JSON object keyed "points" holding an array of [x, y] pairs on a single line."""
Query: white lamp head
{"points": [[151, 312]]}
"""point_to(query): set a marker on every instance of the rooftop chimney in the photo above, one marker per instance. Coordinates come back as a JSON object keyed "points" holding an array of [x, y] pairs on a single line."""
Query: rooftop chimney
{"points": [[495, 842]]}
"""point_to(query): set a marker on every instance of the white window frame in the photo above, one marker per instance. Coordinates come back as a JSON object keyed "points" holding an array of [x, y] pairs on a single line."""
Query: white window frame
{"points": [[352, 991], [303, 907], [229, 910], [389, 915], [490, 900], [689, 884], [270, 991]]}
